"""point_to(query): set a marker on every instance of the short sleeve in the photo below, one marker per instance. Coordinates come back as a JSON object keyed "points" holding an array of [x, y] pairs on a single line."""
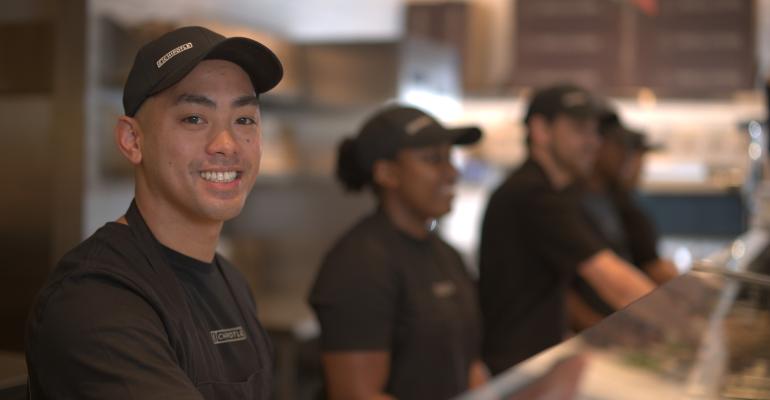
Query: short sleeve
{"points": [[355, 298], [98, 340], [640, 230], [561, 230]]}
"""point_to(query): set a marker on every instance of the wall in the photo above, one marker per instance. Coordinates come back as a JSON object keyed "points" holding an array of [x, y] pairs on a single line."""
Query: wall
{"points": [[26, 114], [299, 21]]}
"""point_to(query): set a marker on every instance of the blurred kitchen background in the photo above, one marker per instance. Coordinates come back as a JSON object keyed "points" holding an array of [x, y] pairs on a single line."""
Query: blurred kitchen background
{"points": [[690, 73]]}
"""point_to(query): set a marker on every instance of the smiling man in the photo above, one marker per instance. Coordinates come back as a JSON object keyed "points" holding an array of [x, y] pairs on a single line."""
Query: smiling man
{"points": [[145, 308]]}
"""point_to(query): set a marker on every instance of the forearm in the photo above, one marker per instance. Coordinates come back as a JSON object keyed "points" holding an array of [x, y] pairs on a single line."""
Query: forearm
{"points": [[356, 375], [338, 392], [382, 396], [478, 375], [616, 281], [661, 270], [581, 315], [374, 396]]}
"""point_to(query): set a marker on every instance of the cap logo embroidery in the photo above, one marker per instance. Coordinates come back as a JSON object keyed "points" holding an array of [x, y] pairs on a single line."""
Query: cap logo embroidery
{"points": [[172, 53], [574, 99], [415, 126]]}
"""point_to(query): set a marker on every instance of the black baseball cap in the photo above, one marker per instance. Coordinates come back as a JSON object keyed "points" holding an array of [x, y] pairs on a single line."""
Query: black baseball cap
{"points": [[567, 99], [639, 141], [611, 127], [398, 127], [164, 61]]}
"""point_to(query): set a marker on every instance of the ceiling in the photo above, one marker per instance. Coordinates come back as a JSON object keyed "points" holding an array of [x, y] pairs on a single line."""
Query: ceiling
{"points": [[296, 20]]}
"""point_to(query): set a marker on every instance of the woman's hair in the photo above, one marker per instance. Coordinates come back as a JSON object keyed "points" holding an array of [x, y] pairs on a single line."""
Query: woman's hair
{"points": [[349, 169]]}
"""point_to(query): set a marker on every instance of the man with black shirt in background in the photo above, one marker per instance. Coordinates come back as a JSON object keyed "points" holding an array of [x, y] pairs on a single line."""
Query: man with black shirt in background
{"points": [[535, 236], [145, 308], [621, 223]]}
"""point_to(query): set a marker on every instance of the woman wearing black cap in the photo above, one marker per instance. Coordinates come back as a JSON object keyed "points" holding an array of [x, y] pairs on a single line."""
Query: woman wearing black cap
{"points": [[398, 311]]}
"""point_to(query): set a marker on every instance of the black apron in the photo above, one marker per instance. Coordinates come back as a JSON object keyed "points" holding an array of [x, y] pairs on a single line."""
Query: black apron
{"points": [[194, 349], [143, 269]]}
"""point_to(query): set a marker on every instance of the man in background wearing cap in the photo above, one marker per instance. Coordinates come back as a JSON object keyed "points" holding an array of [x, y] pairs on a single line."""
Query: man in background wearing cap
{"points": [[145, 308], [535, 237], [611, 209]]}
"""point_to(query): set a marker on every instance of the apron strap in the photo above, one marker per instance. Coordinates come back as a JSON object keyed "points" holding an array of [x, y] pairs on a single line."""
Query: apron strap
{"points": [[174, 300]]}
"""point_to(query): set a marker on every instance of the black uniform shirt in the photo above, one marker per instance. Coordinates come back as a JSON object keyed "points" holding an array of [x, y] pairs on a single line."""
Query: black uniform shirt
{"points": [[626, 230], [533, 239], [207, 291], [122, 318], [604, 216], [639, 228], [380, 289]]}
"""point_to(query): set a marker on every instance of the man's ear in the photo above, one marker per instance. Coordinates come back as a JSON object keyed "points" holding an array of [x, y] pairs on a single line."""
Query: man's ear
{"points": [[128, 137], [384, 174], [538, 130]]}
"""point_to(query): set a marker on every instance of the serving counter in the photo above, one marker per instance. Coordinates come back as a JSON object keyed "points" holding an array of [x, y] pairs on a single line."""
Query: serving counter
{"points": [[703, 335]]}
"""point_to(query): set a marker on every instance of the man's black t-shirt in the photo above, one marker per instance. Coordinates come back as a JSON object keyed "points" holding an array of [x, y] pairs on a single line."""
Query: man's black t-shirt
{"points": [[626, 230], [380, 289], [639, 228], [122, 318], [206, 290], [533, 239], [604, 217]]}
